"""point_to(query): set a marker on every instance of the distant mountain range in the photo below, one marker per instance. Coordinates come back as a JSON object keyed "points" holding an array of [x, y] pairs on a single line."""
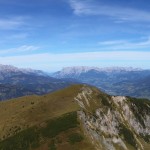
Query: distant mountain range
{"points": [[115, 81], [8, 70], [74, 72], [16, 82]]}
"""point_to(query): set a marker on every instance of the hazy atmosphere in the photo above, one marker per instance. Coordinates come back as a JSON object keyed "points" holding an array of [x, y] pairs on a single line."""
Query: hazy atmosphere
{"points": [[50, 34]]}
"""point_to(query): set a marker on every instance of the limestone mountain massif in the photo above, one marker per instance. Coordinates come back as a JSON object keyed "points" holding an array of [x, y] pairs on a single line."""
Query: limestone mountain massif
{"points": [[114, 80]]}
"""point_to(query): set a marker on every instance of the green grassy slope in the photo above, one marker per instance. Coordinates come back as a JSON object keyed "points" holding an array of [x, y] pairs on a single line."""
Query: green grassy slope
{"points": [[46, 122]]}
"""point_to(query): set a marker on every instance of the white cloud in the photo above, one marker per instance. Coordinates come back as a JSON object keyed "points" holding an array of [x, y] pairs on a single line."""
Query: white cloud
{"points": [[88, 7], [125, 45], [47, 61], [113, 42], [23, 48]]}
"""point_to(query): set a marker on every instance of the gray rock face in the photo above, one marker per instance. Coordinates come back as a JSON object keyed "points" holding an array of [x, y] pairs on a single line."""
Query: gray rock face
{"points": [[114, 122]]}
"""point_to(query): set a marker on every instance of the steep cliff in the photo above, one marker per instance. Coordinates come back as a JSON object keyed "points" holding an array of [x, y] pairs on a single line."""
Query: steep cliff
{"points": [[114, 122]]}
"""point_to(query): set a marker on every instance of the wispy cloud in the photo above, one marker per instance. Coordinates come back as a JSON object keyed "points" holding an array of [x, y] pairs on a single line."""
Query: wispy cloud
{"points": [[125, 45], [114, 42], [18, 36], [51, 62], [21, 49], [88, 7], [9, 23]]}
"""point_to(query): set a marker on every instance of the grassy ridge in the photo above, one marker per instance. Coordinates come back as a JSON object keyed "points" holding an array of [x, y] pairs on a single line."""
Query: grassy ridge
{"points": [[30, 111], [30, 138]]}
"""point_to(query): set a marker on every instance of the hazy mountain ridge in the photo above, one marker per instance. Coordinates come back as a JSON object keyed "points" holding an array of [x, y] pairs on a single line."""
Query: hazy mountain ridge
{"points": [[115, 81], [107, 122], [6, 70], [78, 70], [16, 82]]}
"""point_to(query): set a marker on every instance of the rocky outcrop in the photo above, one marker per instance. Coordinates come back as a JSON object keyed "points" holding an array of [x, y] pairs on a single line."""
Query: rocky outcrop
{"points": [[114, 122]]}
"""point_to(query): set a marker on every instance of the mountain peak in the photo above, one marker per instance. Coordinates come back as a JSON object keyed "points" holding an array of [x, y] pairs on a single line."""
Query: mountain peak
{"points": [[77, 70], [87, 68], [12, 69], [8, 67]]}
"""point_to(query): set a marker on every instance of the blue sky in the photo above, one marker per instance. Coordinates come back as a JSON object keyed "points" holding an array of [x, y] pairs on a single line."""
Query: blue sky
{"points": [[52, 34]]}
